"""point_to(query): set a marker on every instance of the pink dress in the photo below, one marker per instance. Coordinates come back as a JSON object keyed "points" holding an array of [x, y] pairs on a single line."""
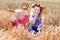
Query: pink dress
{"points": [[18, 21], [25, 20]]}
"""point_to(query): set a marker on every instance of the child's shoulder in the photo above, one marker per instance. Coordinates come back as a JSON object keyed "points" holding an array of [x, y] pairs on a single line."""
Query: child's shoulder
{"points": [[18, 11]]}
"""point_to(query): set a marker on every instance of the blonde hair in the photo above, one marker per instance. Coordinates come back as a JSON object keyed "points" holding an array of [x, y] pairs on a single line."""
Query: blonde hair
{"points": [[27, 5]]}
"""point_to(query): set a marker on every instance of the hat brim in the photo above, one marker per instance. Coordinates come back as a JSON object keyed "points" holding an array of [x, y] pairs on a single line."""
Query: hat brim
{"points": [[11, 10]]}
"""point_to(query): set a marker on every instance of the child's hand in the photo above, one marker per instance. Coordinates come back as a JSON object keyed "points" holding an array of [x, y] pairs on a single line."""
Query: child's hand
{"points": [[32, 20], [35, 15], [10, 24]]}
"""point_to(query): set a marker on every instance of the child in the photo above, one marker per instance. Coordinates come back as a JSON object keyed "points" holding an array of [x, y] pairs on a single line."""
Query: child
{"points": [[24, 8], [20, 16], [36, 20], [17, 17]]}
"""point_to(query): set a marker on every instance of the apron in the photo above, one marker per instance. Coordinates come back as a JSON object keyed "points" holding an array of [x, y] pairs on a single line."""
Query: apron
{"points": [[35, 26]]}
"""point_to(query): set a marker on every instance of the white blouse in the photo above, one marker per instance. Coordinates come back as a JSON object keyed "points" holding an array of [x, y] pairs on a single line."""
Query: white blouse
{"points": [[32, 18]]}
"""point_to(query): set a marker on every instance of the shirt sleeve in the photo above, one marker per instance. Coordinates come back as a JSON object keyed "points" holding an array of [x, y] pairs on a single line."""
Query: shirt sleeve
{"points": [[18, 11], [12, 18]]}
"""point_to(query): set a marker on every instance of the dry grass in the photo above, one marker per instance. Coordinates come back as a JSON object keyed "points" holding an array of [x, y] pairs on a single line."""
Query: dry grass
{"points": [[52, 19], [51, 33]]}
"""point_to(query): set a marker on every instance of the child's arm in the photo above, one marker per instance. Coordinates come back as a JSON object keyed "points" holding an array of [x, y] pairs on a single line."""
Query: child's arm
{"points": [[32, 20], [10, 24], [11, 21], [42, 21]]}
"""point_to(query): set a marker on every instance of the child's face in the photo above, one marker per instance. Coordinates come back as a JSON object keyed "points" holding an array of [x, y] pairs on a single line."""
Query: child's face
{"points": [[24, 6], [36, 10]]}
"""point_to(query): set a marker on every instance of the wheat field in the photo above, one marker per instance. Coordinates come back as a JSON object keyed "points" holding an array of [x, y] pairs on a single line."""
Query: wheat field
{"points": [[52, 21]]}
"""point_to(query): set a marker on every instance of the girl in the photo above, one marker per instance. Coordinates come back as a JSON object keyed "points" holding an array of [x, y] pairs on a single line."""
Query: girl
{"points": [[36, 20], [24, 8], [16, 18], [20, 16]]}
